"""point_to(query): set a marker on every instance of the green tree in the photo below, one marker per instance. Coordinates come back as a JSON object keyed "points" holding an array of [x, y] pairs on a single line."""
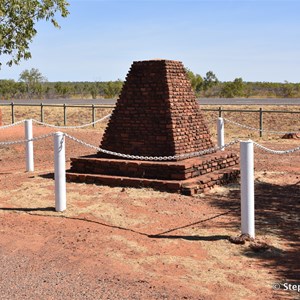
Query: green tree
{"points": [[94, 90], [10, 89], [113, 88], [17, 25], [196, 80], [33, 79], [233, 89], [289, 90], [209, 81], [62, 89], [7, 88]]}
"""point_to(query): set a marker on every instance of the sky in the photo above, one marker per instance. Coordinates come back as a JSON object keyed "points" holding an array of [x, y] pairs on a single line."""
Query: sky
{"points": [[257, 40]]}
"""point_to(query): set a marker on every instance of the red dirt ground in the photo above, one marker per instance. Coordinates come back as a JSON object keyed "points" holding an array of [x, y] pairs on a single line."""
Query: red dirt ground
{"points": [[124, 243]]}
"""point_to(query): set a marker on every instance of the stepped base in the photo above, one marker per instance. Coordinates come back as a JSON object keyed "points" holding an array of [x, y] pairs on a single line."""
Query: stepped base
{"points": [[196, 185], [189, 177]]}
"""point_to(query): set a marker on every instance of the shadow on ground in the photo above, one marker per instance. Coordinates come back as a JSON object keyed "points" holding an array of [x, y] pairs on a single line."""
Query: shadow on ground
{"points": [[27, 209], [277, 212]]}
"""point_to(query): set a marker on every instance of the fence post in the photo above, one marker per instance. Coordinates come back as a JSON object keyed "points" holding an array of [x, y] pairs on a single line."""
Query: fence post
{"points": [[60, 172], [29, 146], [65, 114], [42, 112], [12, 113], [93, 114], [220, 129], [220, 112], [247, 188], [260, 122]]}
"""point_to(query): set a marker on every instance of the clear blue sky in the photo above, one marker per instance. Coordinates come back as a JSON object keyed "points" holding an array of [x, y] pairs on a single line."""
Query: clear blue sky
{"points": [[256, 40]]}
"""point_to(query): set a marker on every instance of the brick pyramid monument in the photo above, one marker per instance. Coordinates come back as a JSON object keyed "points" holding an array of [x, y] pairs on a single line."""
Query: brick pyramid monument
{"points": [[157, 115]]}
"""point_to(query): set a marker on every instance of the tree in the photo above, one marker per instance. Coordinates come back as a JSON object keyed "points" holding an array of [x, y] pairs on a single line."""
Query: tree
{"points": [[209, 80], [10, 89], [7, 88], [288, 89], [33, 79], [233, 89], [113, 88], [17, 25], [94, 90], [196, 80], [62, 89]]}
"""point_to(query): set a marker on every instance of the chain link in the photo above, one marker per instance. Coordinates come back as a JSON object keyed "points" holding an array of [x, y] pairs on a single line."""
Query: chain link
{"points": [[155, 158], [181, 156], [72, 127], [12, 125], [276, 151], [256, 129], [107, 116], [29, 140]]}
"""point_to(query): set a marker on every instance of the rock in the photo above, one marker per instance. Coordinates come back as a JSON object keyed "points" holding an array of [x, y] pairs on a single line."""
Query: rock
{"points": [[259, 246], [292, 135]]}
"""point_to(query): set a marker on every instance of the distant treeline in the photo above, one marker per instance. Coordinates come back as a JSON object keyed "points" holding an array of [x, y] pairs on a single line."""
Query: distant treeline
{"points": [[210, 86], [32, 85], [10, 89], [253, 90]]}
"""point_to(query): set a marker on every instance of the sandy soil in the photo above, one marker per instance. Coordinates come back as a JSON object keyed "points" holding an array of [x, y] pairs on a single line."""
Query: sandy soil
{"points": [[116, 243]]}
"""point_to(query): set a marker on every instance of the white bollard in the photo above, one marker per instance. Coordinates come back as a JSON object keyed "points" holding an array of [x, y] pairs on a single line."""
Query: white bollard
{"points": [[29, 146], [220, 132], [60, 172], [247, 188]]}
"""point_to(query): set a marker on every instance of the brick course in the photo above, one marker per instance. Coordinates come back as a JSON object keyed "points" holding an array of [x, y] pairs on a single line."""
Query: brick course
{"points": [[180, 170], [0, 117]]}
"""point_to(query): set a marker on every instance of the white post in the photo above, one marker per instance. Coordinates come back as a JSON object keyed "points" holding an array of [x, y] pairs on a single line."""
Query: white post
{"points": [[220, 133], [60, 172], [29, 146], [247, 188]]}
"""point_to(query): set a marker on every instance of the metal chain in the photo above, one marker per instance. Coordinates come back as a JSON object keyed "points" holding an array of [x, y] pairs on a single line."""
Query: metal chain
{"points": [[29, 140], [256, 129], [12, 125], [107, 116], [276, 151], [72, 127], [181, 156], [155, 158]]}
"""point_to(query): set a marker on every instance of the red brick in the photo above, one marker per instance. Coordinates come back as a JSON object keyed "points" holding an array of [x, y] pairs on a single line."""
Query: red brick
{"points": [[157, 113]]}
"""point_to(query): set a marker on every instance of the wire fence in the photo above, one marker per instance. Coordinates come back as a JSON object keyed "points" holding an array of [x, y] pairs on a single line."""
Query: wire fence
{"points": [[262, 117], [73, 127], [109, 115], [261, 130], [154, 158], [257, 123], [89, 111], [150, 158]]}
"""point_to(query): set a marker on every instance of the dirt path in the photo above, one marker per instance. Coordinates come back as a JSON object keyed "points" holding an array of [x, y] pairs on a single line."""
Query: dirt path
{"points": [[115, 243]]}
